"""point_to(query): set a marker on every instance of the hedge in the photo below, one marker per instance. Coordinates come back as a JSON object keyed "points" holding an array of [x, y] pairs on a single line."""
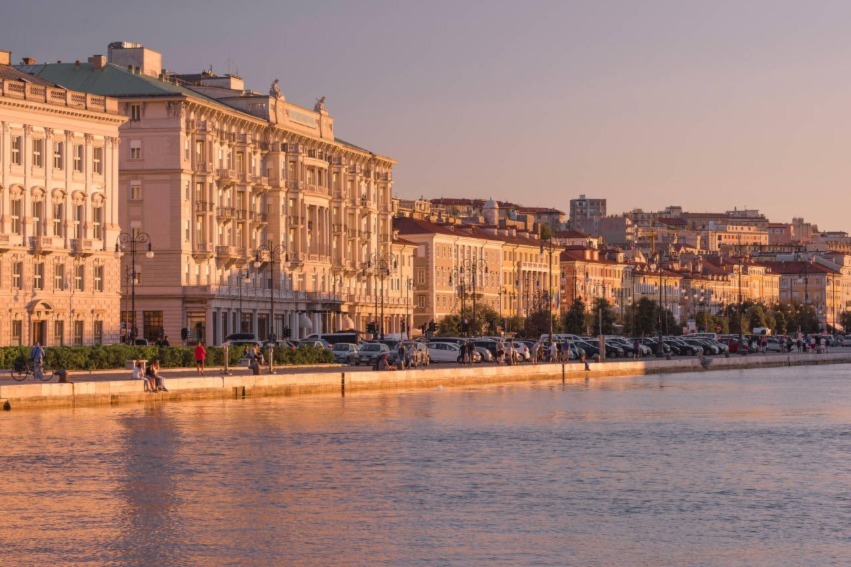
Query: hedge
{"points": [[115, 356]]}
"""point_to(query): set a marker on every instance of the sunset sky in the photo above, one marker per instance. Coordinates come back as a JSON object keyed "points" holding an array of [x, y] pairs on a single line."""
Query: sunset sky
{"points": [[708, 105]]}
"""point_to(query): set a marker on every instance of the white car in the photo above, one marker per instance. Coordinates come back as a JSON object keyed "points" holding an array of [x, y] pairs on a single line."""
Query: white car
{"points": [[522, 350], [447, 352]]}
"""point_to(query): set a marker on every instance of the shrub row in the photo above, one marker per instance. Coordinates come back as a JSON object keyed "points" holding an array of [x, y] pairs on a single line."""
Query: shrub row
{"points": [[114, 356]]}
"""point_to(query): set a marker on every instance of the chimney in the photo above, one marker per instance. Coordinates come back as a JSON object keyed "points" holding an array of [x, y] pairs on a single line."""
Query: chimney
{"points": [[28, 61], [5, 57], [98, 61]]}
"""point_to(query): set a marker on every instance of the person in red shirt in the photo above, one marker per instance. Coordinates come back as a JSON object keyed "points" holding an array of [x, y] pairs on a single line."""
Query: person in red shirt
{"points": [[200, 357]]}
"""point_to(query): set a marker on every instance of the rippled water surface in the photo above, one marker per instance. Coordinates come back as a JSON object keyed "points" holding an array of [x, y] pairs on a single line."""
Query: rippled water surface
{"points": [[718, 468]]}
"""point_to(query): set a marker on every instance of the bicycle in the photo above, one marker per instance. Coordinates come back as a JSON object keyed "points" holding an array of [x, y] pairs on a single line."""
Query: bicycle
{"points": [[22, 369]]}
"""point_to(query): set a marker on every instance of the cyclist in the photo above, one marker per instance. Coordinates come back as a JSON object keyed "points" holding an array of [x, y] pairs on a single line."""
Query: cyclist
{"points": [[37, 354]]}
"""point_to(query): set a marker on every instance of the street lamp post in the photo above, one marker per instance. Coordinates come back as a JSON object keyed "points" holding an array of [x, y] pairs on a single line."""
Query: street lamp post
{"points": [[549, 246], [275, 254], [380, 265], [657, 259], [473, 267], [409, 284], [244, 277], [124, 240], [458, 274]]}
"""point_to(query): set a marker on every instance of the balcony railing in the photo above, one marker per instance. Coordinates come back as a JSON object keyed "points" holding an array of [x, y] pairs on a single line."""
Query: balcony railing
{"points": [[83, 246], [45, 244], [203, 206], [57, 97], [202, 250], [227, 252], [241, 214], [227, 174], [224, 213]]}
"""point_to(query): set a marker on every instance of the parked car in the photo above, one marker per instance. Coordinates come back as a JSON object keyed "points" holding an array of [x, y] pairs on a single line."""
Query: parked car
{"points": [[369, 353], [141, 342], [345, 353], [320, 343], [735, 346], [447, 352], [522, 351]]}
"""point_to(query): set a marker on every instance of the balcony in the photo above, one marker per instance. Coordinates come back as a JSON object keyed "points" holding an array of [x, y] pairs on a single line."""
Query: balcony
{"points": [[292, 184], [241, 214], [366, 235], [246, 177], [83, 246], [351, 233], [202, 251], [260, 218], [228, 252], [45, 244], [228, 175], [203, 207], [9, 241], [224, 214], [316, 189], [261, 182], [204, 167], [295, 221]]}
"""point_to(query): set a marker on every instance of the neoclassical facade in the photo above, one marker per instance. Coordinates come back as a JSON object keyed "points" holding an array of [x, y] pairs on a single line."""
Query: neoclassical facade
{"points": [[58, 213], [259, 217]]}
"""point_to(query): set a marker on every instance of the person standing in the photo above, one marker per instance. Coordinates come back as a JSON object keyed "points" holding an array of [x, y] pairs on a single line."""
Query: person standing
{"points": [[200, 358], [37, 354]]}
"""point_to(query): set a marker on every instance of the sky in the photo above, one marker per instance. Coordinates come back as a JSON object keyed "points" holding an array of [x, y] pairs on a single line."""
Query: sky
{"points": [[709, 105]]}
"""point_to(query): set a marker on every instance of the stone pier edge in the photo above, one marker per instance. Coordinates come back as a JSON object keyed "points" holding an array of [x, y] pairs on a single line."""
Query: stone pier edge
{"points": [[113, 392]]}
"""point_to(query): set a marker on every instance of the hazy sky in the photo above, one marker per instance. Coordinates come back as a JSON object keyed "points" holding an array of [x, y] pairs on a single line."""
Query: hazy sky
{"points": [[709, 105]]}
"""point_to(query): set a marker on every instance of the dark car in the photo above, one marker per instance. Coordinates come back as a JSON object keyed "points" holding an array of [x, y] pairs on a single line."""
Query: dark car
{"points": [[368, 353]]}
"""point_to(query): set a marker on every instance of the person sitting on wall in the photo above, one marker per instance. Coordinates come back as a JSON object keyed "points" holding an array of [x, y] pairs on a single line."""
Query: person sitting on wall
{"points": [[156, 383], [384, 363]]}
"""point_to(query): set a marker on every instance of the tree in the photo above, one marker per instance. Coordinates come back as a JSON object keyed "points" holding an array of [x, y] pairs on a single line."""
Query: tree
{"points": [[845, 320], [602, 310], [646, 317], [515, 324], [546, 233], [538, 323], [574, 320], [756, 318], [463, 323]]}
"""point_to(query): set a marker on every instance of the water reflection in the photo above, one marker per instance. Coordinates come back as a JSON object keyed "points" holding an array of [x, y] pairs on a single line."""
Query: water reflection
{"points": [[721, 468]]}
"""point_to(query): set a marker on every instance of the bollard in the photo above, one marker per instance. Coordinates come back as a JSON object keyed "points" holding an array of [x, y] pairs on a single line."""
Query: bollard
{"points": [[63, 375], [226, 369], [343, 383]]}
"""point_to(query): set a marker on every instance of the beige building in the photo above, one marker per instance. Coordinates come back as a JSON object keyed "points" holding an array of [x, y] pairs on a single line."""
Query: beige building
{"points": [[59, 279], [259, 216]]}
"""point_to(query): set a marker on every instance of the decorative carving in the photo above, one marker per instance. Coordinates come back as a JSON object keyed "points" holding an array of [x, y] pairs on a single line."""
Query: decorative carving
{"points": [[320, 105], [275, 90]]}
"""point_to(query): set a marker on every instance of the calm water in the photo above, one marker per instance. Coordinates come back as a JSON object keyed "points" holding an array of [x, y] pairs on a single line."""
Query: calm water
{"points": [[720, 468]]}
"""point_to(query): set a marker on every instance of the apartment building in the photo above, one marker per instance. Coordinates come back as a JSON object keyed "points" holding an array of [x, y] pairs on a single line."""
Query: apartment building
{"points": [[260, 217], [59, 278]]}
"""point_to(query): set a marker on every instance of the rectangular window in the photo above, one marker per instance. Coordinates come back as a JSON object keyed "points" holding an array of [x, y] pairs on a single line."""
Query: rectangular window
{"points": [[78, 221], [38, 218], [58, 155], [98, 278], [17, 275], [97, 160], [199, 152], [240, 162], [80, 278], [38, 275], [16, 213], [78, 158], [78, 333], [17, 332], [135, 190], [58, 214], [59, 333], [186, 150], [59, 277], [17, 144], [153, 325], [97, 222], [38, 153], [135, 149], [135, 112], [98, 332]]}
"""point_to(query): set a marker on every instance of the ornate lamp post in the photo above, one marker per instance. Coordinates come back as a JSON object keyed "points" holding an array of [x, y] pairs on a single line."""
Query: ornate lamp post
{"points": [[275, 254], [549, 246], [380, 265], [124, 240], [456, 277], [244, 277], [473, 267], [656, 263], [409, 284]]}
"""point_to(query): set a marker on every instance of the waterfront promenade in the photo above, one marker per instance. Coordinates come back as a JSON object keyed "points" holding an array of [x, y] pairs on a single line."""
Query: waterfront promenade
{"points": [[117, 387]]}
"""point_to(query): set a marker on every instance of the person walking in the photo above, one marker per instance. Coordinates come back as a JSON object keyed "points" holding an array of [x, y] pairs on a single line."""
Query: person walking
{"points": [[200, 358], [37, 354]]}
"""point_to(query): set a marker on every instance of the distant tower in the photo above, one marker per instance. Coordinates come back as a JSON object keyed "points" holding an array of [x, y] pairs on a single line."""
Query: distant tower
{"points": [[491, 212]]}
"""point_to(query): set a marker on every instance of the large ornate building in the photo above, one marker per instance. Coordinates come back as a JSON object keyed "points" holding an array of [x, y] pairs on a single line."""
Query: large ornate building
{"points": [[261, 219], [58, 213]]}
